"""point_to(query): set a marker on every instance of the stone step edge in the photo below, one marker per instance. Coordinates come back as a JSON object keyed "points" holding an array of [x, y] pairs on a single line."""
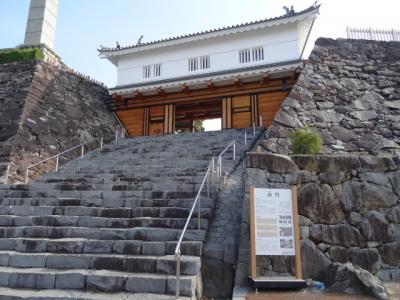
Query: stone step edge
{"points": [[91, 279], [184, 258], [54, 294]]}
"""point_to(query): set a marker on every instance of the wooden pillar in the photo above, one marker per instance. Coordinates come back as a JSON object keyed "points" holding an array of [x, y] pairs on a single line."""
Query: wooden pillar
{"points": [[146, 121], [226, 113], [254, 110], [169, 119]]}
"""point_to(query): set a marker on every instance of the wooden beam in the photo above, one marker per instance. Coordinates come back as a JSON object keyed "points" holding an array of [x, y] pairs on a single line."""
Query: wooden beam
{"points": [[265, 79], [185, 88], [205, 94], [137, 94], [238, 82], [210, 85], [161, 92]]}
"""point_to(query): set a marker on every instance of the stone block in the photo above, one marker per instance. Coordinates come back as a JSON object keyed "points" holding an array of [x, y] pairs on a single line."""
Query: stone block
{"points": [[66, 281], [105, 282], [368, 259], [107, 263], [32, 280], [153, 248], [318, 202], [299, 176], [390, 253], [28, 260], [273, 163], [68, 262], [187, 286], [97, 246], [140, 265], [374, 227], [146, 284], [127, 247], [339, 234]]}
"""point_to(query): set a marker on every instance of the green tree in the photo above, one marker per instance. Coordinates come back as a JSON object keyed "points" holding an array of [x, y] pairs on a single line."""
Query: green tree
{"points": [[198, 125]]}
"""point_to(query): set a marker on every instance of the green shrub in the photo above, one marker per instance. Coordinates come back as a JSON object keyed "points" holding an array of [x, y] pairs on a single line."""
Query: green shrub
{"points": [[20, 55], [305, 141]]}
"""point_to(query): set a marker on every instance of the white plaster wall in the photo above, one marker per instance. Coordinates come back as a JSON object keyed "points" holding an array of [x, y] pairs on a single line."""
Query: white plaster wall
{"points": [[279, 43]]}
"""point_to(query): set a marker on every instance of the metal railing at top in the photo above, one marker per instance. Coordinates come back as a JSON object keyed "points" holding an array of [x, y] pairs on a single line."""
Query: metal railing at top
{"points": [[119, 133], [373, 34]]}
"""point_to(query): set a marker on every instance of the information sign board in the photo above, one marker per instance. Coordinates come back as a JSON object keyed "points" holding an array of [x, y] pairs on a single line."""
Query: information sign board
{"points": [[273, 220]]}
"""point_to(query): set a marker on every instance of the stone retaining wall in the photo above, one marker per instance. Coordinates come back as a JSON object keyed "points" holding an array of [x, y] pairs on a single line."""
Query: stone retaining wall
{"points": [[45, 110], [349, 210], [349, 91]]}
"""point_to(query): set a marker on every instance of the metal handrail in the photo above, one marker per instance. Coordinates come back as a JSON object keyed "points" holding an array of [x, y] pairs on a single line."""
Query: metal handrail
{"points": [[210, 170], [82, 146], [219, 166], [196, 201]]}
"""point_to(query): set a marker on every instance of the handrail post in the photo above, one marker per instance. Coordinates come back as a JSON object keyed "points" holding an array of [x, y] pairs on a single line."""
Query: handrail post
{"points": [[198, 213], [261, 121], [234, 150], [245, 138], [212, 170], [101, 143], [58, 156], [178, 273], [208, 185], [26, 175], [116, 136], [83, 150], [220, 166], [254, 129]]}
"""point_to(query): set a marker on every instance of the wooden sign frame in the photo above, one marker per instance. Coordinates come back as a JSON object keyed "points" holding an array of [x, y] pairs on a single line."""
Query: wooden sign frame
{"points": [[271, 282]]}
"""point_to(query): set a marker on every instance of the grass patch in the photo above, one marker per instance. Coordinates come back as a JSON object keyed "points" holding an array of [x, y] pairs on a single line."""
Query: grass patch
{"points": [[21, 55]]}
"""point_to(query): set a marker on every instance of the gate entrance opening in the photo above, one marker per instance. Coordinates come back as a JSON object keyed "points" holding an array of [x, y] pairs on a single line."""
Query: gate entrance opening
{"points": [[188, 115]]}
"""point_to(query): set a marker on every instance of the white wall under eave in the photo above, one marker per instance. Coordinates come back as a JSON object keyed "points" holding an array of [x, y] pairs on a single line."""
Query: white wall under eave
{"points": [[280, 43]]}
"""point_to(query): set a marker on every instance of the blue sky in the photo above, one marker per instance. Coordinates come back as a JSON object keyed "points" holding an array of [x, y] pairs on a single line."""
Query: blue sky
{"points": [[83, 25]]}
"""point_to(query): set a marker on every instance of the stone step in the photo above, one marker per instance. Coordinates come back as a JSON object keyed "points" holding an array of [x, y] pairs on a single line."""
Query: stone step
{"points": [[138, 233], [98, 194], [123, 263], [100, 222], [121, 212], [106, 203], [58, 294], [64, 178], [95, 280], [82, 246]]}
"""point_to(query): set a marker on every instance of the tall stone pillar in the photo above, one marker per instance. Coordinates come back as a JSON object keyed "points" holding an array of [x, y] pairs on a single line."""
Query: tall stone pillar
{"points": [[41, 25]]}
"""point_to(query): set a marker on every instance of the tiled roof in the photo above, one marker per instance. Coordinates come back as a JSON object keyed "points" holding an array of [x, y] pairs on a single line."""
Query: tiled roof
{"points": [[314, 7]]}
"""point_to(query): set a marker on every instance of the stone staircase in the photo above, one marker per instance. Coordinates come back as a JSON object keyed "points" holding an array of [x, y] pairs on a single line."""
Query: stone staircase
{"points": [[106, 225]]}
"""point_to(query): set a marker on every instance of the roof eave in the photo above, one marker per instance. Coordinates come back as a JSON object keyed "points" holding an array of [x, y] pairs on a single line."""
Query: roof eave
{"points": [[235, 73], [186, 39]]}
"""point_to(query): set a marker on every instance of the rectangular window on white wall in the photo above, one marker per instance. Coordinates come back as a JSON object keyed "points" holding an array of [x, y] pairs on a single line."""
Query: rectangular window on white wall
{"points": [[157, 70], [244, 56], [205, 62], [193, 64], [258, 53], [146, 71]]}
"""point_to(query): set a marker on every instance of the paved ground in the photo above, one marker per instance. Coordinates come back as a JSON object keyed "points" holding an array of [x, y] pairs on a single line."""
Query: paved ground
{"points": [[303, 295]]}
